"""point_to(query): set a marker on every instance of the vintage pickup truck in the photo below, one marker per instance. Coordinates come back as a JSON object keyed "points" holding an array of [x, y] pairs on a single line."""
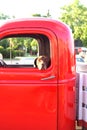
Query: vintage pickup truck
{"points": [[32, 99]]}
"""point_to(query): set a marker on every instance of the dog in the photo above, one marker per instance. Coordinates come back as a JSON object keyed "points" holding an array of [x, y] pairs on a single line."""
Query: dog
{"points": [[42, 62]]}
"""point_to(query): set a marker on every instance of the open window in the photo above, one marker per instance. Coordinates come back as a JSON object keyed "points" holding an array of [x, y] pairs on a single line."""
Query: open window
{"points": [[20, 50]]}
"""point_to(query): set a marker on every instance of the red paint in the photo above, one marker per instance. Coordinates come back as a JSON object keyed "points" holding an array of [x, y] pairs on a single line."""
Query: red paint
{"points": [[26, 101]]}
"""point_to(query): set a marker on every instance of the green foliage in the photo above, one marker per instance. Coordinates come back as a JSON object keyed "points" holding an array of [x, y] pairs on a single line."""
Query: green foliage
{"points": [[39, 15], [75, 15], [18, 46], [34, 46], [4, 43], [2, 50], [36, 15], [3, 16], [18, 53]]}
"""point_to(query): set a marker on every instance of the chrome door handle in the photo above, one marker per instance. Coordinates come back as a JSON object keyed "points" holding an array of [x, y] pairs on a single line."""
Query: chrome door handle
{"points": [[50, 77]]}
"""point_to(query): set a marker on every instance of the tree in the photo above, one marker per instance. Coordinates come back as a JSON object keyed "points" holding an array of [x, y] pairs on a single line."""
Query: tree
{"points": [[3, 16], [36, 15], [75, 15], [39, 15], [34, 46]]}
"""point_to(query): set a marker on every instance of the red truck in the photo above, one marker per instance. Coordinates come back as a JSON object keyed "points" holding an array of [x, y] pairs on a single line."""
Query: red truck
{"points": [[32, 99]]}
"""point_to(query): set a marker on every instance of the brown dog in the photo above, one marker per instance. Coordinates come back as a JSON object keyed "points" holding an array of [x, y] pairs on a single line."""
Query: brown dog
{"points": [[42, 62]]}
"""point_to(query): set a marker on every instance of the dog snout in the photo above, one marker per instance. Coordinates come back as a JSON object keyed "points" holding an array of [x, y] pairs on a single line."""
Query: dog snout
{"points": [[42, 64]]}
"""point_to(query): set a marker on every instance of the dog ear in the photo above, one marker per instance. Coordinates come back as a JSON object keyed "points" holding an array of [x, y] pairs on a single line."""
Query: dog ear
{"points": [[35, 63]]}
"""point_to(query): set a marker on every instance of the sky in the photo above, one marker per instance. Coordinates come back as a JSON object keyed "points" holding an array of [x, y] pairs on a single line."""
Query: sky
{"points": [[26, 8]]}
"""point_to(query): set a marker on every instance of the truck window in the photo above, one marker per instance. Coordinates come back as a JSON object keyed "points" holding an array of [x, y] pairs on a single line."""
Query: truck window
{"points": [[17, 51]]}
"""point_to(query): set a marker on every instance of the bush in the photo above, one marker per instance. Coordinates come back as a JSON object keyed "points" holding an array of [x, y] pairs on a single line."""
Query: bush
{"points": [[13, 53], [18, 53]]}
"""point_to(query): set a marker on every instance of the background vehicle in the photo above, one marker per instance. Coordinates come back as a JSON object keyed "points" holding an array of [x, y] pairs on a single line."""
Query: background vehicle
{"points": [[79, 59], [79, 49]]}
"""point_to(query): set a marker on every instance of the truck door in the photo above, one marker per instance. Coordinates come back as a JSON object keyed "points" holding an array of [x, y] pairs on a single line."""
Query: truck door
{"points": [[28, 96]]}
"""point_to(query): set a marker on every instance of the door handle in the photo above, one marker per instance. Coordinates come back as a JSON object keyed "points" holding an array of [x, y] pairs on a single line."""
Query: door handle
{"points": [[50, 77]]}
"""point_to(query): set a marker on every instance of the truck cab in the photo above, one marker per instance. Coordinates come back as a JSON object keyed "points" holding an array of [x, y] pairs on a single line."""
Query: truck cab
{"points": [[33, 99]]}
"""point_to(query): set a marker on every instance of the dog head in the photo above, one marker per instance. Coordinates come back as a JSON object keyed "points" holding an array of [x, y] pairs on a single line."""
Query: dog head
{"points": [[41, 62]]}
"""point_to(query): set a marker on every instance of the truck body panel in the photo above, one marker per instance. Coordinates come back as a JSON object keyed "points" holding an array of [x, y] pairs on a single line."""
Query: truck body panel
{"points": [[31, 99]]}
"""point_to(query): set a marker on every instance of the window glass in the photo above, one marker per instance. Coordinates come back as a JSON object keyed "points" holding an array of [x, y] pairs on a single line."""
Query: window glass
{"points": [[22, 50]]}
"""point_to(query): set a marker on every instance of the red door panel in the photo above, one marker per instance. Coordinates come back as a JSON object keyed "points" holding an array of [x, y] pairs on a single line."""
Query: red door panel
{"points": [[28, 107]]}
